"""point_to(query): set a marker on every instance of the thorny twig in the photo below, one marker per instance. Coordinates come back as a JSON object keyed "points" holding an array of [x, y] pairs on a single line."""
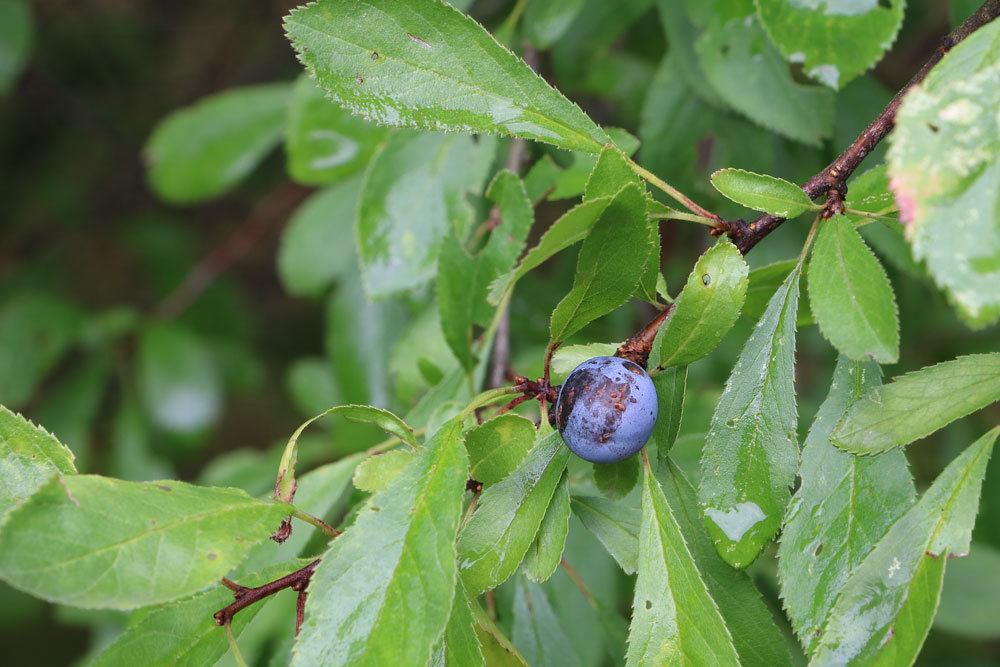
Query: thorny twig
{"points": [[246, 596]]}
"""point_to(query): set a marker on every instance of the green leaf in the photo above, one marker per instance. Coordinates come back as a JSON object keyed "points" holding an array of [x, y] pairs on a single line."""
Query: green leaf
{"points": [[398, 556], [610, 174], [71, 407], [671, 626], [836, 41], [545, 553], [764, 282], [546, 22], [568, 357], [670, 385], [944, 162], [183, 632], [970, 601], [460, 645], [497, 537], [750, 456], [325, 143], [607, 273], [706, 308], [29, 457], [751, 624], [851, 295], [616, 480], [751, 76], [497, 447], [313, 253], [206, 149], [414, 194], [615, 525], [573, 226], [844, 505], [424, 64], [761, 192], [15, 40], [537, 631], [178, 380], [885, 608], [35, 331], [377, 472], [915, 405], [72, 543], [497, 649]]}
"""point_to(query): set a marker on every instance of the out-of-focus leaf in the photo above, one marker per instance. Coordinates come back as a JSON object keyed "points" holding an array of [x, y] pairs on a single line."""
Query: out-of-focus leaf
{"points": [[616, 480], [131, 456], [178, 379], [399, 556], [325, 142], [671, 384], [762, 192], [851, 296], [885, 608], [706, 308], [546, 22], [614, 524], [538, 633], [426, 65], [205, 149], [545, 553], [70, 407], [15, 40], [311, 385], [970, 600], [35, 331], [72, 543], [843, 507], [751, 455], [315, 248], [495, 540], [683, 620], [414, 193], [498, 446], [607, 271], [29, 457], [836, 41], [752, 77], [944, 167], [915, 405]]}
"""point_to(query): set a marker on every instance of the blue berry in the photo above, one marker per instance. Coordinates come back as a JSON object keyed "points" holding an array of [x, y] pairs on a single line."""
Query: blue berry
{"points": [[606, 409]]}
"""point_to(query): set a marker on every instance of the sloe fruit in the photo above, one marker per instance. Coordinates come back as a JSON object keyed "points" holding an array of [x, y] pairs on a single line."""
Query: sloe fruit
{"points": [[606, 409]]}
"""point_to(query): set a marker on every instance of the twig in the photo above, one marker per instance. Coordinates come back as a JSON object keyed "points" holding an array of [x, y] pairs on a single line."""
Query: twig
{"points": [[297, 581], [271, 210], [578, 581], [832, 180], [640, 344]]}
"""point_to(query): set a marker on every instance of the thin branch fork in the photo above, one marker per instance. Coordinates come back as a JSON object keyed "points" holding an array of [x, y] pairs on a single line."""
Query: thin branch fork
{"points": [[245, 596], [832, 181]]}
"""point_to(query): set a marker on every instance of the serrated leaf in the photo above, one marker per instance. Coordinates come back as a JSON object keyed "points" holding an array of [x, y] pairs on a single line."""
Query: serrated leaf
{"points": [[494, 541], [29, 457], [751, 455], [459, 645], [607, 271], [497, 447], [537, 630], [573, 226], [545, 553], [683, 621], [610, 174], [324, 142], [670, 385], [616, 480], [761, 192], [706, 308], [205, 149], [414, 194], [756, 636], [836, 41], [183, 632], [614, 524], [546, 22], [751, 76], [764, 281], [424, 64], [886, 607], [915, 405], [497, 649], [571, 182], [71, 542], [851, 296], [398, 556], [944, 165], [377, 472], [843, 507], [313, 251]]}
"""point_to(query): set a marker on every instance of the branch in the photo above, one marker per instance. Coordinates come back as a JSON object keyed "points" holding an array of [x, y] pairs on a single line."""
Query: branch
{"points": [[832, 180], [297, 581]]}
